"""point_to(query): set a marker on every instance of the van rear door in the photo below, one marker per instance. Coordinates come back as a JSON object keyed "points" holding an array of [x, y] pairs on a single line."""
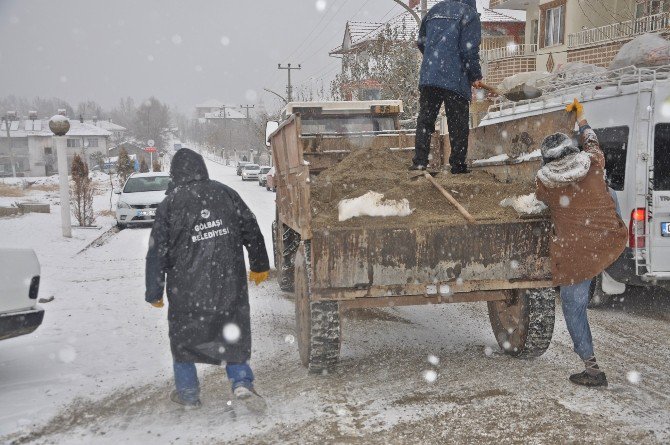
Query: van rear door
{"points": [[659, 206]]}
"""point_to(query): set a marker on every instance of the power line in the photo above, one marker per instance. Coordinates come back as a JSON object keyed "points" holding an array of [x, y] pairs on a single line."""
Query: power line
{"points": [[306, 40], [332, 17]]}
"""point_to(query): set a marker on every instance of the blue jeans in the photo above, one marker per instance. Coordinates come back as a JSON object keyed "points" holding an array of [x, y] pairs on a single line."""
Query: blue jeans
{"points": [[574, 299], [188, 386]]}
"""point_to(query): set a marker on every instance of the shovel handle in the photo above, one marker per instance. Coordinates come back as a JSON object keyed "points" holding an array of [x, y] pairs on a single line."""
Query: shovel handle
{"points": [[489, 88], [452, 200]]}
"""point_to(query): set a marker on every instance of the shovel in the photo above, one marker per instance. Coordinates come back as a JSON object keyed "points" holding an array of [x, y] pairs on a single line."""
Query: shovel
{"points": [[519, 92], [429, 176]]}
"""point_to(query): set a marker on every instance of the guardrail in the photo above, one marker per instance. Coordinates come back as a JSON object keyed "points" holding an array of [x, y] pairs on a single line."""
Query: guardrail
{"points": [[619, 31], [508, 51]]}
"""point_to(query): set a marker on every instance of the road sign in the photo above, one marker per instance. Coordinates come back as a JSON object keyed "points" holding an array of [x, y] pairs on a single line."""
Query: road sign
{"points": [[151, 143], [150, 149]]}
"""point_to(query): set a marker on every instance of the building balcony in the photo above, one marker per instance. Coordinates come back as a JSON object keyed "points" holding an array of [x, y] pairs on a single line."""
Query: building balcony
{"points": [[520, 5], [509, 51], [619, 31]]}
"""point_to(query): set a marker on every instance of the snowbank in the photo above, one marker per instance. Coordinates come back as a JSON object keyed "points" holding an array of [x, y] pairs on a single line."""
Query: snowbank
{"points": [[372, 204], [525, 204]]}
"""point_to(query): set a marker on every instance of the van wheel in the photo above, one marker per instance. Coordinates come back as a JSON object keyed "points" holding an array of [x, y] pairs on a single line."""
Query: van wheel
{"points": [[121, 226], [597, 297], [524, 323]]}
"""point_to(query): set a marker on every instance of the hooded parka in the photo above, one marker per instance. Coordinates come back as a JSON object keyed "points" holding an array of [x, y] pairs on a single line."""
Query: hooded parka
{"points": [[197, 243], [588, 234], [449, 39]]}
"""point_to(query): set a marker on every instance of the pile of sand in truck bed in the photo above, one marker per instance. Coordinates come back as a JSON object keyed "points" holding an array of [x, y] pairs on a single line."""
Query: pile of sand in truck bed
{"points": [[386, 171]]}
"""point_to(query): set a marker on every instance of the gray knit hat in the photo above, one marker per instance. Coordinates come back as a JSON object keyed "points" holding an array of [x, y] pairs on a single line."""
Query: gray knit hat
{"points": [[556, 146]]}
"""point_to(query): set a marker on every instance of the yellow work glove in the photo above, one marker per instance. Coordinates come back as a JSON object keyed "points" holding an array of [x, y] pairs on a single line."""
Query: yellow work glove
{"points": [[159, 303], [258, 277], [577, 108]]}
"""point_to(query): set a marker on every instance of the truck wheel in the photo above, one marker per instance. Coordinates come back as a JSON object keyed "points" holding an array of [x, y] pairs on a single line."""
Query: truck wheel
{"points": [[287, 245], [597, 297], [523, 324], [317, 322]]}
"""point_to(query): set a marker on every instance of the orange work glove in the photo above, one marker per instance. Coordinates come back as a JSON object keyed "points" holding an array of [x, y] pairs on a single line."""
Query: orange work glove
{"points": [[258, 277], [158, 303], [577, 108]]}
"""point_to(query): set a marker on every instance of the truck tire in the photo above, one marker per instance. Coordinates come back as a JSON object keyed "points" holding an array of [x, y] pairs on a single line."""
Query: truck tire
{"points": [[317, 322], [524, 324], [597, 297], [285, 242]]}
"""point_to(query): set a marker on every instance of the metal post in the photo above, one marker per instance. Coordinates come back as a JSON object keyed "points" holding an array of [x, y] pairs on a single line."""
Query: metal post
{"points": [[424, 8], [11, 150], [289, 88], [60, 144]]}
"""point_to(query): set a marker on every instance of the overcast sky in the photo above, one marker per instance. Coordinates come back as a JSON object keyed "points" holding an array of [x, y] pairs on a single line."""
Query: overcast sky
{"points": [[182, 52]]}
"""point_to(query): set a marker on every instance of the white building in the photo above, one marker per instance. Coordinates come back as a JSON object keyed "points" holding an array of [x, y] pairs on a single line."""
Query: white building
{"points": [[30, 145]]}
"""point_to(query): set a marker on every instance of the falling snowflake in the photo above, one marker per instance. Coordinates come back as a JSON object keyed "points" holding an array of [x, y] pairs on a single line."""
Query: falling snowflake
{"points": [[198, 68], [564, 201], [506, 345], [488, 351], [176, 39], [225, 40], [430, 376], [433, 360], [63, 79], [321, 5], [289, 339], [231, 333], [633, 377], [67, 354]]}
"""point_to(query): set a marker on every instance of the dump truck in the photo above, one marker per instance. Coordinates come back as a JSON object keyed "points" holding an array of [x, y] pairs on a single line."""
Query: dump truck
{"points": [[335, 267]]}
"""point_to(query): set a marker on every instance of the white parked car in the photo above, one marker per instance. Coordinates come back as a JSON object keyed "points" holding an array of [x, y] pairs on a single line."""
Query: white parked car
{"points": [[19, 283], [250, 172], [140, 197], [262, 175]]}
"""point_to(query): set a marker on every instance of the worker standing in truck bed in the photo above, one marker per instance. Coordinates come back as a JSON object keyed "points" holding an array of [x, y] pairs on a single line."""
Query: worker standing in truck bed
{"points": [[449, 40]]}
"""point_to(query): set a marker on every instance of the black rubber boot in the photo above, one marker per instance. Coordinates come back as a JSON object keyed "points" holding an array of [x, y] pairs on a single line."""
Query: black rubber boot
{"points": [[585, 379], [459, 169]]}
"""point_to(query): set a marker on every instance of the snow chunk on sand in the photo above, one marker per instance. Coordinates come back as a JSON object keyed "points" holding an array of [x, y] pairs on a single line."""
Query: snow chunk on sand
{"points": [[372, 204], [524, 204]]}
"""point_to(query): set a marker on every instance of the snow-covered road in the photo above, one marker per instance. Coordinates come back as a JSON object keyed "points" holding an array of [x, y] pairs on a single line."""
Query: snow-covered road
{"points": [[99, 370]]}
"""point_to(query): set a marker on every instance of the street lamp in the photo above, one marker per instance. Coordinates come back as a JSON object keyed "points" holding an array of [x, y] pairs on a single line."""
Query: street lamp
{"points": [[60, 125]]}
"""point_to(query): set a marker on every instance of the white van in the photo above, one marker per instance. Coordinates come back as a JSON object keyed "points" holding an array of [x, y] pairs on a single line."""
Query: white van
{"points": [[629, 109], [19, 286]]}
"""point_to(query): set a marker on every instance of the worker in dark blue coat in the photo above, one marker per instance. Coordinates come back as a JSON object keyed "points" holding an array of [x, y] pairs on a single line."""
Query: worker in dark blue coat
{"points": [[196, 250], [449, 40]]}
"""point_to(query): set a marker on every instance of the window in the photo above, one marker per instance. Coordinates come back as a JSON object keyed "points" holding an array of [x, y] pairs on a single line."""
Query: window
{"points": [[614, 143], [534, 32], [147, 184], [554, 26], [92, 142], [73, 143], [662, 157]]}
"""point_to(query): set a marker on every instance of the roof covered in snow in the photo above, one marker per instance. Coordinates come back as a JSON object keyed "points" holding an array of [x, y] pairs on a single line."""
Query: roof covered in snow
{"points": [[210, 103], [106, 125], [405, 25], [40, 128], [230, 114]]}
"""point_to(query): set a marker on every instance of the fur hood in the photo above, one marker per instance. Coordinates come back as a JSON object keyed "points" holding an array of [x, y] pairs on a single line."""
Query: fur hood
{"points": [[567, 170]]}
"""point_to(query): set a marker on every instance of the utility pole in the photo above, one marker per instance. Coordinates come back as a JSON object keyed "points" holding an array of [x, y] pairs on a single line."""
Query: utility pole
{"points": [[247, 108], [289, 88], [9, 141], [424, 8]]}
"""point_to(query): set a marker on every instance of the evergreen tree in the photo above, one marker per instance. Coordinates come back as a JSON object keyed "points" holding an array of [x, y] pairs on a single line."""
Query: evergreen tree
{"points": [[82, 193], [125, 166], [144, 166]]}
